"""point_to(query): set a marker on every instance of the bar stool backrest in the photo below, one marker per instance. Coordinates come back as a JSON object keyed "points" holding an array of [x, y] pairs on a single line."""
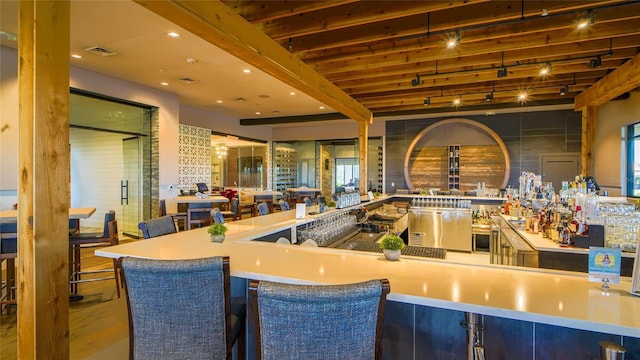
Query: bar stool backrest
{"points": [[181, 309], [322, 322]]}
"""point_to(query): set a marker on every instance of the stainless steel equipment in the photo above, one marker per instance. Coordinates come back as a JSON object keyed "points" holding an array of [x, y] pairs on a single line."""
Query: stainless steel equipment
{"points": [[448, 228]]}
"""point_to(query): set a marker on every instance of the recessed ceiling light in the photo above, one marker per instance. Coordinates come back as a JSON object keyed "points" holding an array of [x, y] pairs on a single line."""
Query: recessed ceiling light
{"points": [[191, 61], [219, 101], [173, 34], [76, 56], [523, 96], [292, 93], [246, 71], [164, 83], [258, 113], [321, 107]]}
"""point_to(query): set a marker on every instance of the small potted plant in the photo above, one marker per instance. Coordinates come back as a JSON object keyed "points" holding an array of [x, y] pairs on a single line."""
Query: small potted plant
{"points": [[217, 232], [391, 246]]}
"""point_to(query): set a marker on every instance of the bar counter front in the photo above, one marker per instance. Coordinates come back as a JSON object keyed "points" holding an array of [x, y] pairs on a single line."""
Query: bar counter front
{"points": [[527, 313]]}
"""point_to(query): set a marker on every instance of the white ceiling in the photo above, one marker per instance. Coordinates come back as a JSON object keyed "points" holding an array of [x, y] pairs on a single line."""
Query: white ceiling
{"points": [[148, 56]]}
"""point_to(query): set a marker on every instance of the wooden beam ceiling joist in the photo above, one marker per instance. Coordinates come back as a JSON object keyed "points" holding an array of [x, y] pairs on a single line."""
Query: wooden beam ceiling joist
{"points": [[258, 12], [623, 79], [219, 25], [442, 21], [624, 46], [533, 42]]}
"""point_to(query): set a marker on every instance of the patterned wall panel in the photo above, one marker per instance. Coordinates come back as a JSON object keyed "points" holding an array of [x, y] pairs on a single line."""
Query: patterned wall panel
{"points": [[194, 157]]}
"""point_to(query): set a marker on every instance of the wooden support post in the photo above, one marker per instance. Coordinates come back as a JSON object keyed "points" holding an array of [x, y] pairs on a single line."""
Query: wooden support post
{"points": [[363, 141], [43, 195], [588, 132]]}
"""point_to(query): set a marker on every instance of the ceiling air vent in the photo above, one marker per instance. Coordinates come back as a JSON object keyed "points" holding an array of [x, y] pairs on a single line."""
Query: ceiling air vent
{"points": [[187, 80], [98, 50]]}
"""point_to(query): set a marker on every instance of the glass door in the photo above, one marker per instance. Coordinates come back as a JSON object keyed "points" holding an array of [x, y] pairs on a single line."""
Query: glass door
{"points": [[131, 186]]}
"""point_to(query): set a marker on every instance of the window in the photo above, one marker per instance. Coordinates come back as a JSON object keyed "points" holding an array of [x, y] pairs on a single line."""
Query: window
{"points": [[633, 160], [347, 172]]}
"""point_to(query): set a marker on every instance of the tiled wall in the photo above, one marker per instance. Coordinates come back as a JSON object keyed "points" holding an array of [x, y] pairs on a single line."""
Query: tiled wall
{"points": [[194, 156], [526, 136]]}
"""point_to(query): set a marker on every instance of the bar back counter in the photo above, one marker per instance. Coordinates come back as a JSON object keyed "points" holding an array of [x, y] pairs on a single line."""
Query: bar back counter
{"points": [[528, 313]]}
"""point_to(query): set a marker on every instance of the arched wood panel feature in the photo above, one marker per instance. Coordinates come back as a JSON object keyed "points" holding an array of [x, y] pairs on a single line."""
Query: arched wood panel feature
{"points": [[426, 161]]}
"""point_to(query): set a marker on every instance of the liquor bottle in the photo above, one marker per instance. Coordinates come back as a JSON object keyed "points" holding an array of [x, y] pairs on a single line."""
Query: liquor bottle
{"points": [[565, 237], [574, 223], [553, 231], [544, 224]]}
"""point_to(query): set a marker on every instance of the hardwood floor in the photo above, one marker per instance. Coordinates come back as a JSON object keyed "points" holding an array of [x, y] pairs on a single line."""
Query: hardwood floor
{"points": [[98, 325]]}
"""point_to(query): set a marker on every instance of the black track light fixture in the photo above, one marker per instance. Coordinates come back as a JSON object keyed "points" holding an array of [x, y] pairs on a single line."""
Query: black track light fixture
{"points": [[489, 97], [502, 72], [416, 81], [564, 90], [427, 102], [597, 62]]}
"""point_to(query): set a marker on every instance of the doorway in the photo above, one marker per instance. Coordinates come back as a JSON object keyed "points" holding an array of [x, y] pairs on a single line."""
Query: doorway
{"points": [[556, 168], [110, 150]]}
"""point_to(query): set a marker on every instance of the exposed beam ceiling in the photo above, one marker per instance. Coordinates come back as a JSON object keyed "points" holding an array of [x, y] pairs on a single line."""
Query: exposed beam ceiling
{"points": [[375, 50]]}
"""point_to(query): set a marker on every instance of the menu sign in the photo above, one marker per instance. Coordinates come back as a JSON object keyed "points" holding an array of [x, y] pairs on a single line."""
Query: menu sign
{"points": [[604, 264]]}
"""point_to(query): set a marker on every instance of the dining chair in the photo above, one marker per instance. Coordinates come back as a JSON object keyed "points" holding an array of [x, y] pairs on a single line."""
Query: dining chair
{"points": [[263, 209], [307, 201], [182, 309], [284, 205], [323, 322], [108, 237], [179, 217], [247, 202], [198, 215], [217, 216], [8, 254], [162, 225], [240, 210]]}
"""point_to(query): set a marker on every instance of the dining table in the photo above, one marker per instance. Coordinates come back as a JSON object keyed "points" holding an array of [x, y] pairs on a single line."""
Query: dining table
{"points": [[11, 215], [266, 196]]}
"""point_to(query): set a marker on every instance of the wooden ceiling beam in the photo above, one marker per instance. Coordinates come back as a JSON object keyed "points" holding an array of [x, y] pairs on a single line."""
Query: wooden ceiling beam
{"points": [[534, 26], [481, 14], [534, 42], [625, 78], [509, 95], [471, 73], [548, 86], [526, 76], [621, 46], [469, 105], [258, 12], [219, 25], [355, 14]]}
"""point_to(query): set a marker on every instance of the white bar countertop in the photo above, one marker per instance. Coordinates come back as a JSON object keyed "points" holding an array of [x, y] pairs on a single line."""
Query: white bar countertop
{"points": [[559, 298]]}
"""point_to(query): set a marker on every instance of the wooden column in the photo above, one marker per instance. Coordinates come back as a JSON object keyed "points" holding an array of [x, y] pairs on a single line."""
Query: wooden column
{"points": [[363, 141], [43, 195], [588, 132]]}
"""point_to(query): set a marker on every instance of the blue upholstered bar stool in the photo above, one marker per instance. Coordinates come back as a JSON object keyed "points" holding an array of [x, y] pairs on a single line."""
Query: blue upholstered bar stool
{"points": [[263, 209], [322, 322], [162, 225], [182, 309], [217, 216]]}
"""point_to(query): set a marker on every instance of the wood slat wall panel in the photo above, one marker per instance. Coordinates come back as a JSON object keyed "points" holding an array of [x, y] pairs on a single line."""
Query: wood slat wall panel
{"points": [[428, 167], [481, 163]]}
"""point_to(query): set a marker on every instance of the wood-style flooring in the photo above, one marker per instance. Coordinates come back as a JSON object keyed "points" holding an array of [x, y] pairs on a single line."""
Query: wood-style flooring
{"points": [[98, 324]]}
